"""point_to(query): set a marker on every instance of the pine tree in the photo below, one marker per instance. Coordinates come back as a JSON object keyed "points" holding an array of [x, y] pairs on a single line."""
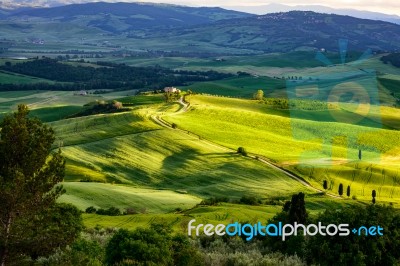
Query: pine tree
{"points": [[340, 189], [31, 223], [325, 184], [297, 211]]}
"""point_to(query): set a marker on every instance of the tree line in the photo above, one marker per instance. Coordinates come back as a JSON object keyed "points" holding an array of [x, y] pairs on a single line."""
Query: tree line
{"points": [[104, 76]]}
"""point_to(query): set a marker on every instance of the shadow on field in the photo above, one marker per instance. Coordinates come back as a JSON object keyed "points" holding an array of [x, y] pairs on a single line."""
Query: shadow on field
{"points": [[180, 159]]}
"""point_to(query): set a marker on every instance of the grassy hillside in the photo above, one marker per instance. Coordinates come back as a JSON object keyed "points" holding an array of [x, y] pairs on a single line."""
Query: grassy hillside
{"points": [[13, 78], [185, 164], [301, 144], [98, 127], [141, 200], [50, 114], [238, 87], [273, 133], [39, 99], [224, 213], [155, 168]]}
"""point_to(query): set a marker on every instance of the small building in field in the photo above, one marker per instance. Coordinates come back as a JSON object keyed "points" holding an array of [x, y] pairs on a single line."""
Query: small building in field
{"points": [[171, 90]]}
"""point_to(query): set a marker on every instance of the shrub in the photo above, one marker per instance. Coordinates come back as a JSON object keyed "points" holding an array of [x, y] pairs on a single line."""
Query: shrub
{"points": [[130, 210], [174, 126], [235, 251], [214, 201], [89, 249], [152, 246], [242, 151], [112, 211], [249, 200], [90, 209]]}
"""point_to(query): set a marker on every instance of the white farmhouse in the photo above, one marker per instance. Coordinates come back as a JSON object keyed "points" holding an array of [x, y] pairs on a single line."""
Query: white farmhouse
{"points": [[171, 90]]}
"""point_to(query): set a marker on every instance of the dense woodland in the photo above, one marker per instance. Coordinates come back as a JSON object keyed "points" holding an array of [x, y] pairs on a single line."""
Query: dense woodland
{"points": [[104, 76]]}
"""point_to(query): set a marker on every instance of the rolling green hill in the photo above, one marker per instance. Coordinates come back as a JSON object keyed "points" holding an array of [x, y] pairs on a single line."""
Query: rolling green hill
{"points": [[128, 160], [152, 167], [185, 164], [302, 146], [223, 213], [141, 200]]}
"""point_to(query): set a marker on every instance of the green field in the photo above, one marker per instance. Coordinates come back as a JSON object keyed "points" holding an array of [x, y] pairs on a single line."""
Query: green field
{"points": [[94, 128], [128, 160], [43, 99], [131, 162], [141, 200], [301, 144], [185, 164], [225, 213], [13, 78], [50, 114], [190, 167], [238, 87], [130, 149]]}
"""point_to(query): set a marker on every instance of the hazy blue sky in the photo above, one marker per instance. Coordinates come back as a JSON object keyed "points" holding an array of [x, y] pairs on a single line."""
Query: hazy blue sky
{"points": [[386, 6]]}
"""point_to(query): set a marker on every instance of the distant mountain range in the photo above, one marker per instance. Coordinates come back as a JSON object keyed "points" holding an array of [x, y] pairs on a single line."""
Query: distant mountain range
{"points": [[296, 30], [180, 28], [259, 10], [124, 17], [275, 8]]}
